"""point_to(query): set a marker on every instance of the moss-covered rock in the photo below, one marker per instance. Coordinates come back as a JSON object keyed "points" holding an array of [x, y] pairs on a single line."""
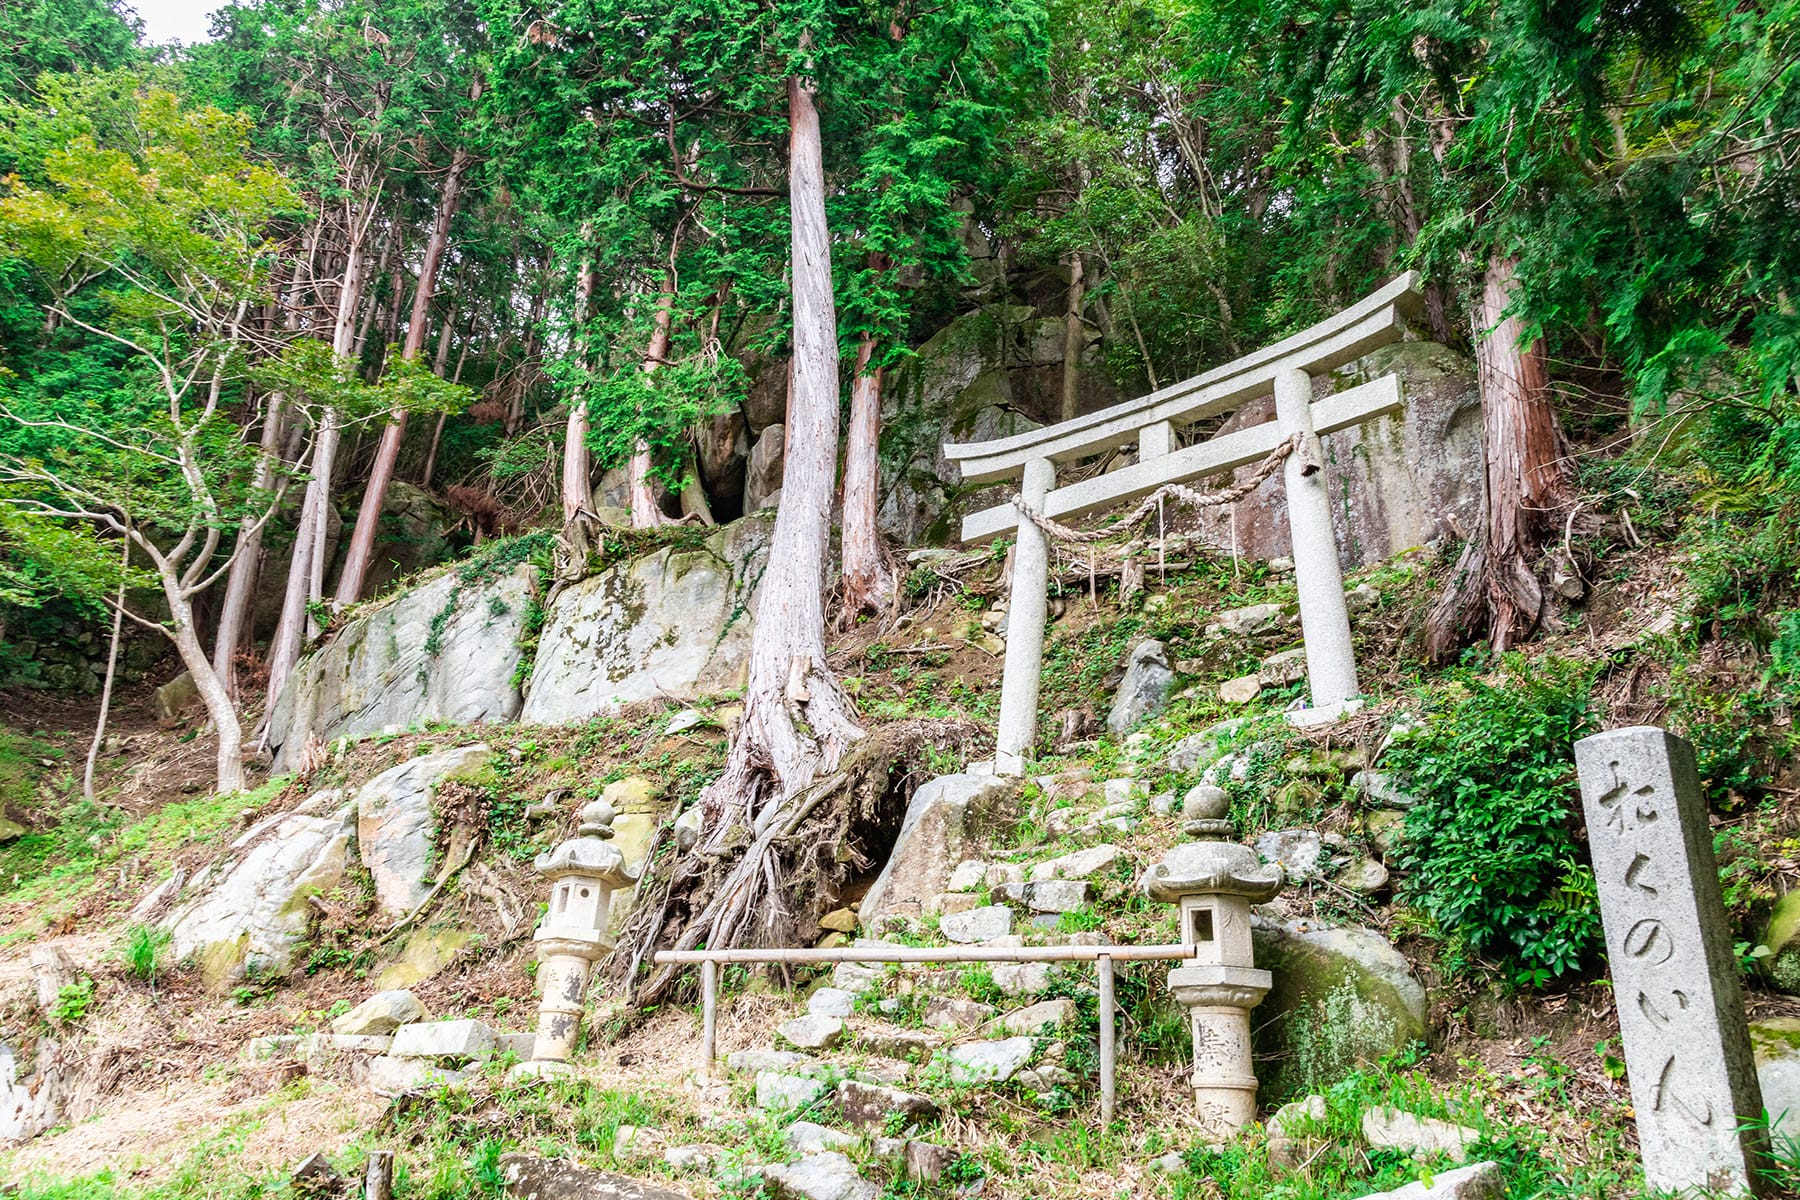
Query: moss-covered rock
{"points": [[1341, 997]]}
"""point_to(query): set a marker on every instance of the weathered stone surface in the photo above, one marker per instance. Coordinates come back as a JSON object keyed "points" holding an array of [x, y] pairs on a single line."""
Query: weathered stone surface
{"points": [[178, 696], [762, 479], [396, 824], [1298, 852], [1241, 690], [1395, 482], [933, 837], [831, 1002], [381, 1013], [673, 624], [1058, 895], [776, 1092], [1248, 621], [427, 951], [968, 876], [869, 1105], [1042, 1017], [1341, 997], [978, 924], [755, 1062], [1382, 791], [247, 909], [531, 1177], [860, 977], [1776, 1044], [1669, 951], [812, 1031], [29, 1103], [926, 1162], [1198, 749], [1292, 1133], [396, 1076], [1021, 979], [810, 1137], [1083, 864], [462, 1039], [1289, 666], [412, 535], [402, 662], [1481, 1181], [989, 1062], [897, 1042], [1393, 1129], [954, 1012], [1363, 876], [827, 1176], [1145, 689]]}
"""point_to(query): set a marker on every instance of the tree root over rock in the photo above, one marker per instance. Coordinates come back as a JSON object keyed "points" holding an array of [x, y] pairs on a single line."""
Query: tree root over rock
{"points": [[769, 888]]}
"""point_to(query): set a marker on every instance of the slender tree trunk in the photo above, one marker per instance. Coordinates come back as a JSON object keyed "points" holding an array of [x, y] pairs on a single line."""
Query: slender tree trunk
{"points": [[646, 513], [868, 576], [797, 721], [240, 584], [219, 708], [307, 568], [1072, 339], [1528, 483], [112, 667], [368, 517], [577, 481], [437, 434]]}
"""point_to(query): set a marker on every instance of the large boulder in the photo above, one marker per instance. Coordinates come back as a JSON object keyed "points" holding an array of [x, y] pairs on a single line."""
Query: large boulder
{"points": [[446, 650], [1776, 1043], [248, 909], [413, 534], [1396, 482], [397, 824], [1341, 997], [529, 1177], [935, 835], [990, 373], [674, 624]]}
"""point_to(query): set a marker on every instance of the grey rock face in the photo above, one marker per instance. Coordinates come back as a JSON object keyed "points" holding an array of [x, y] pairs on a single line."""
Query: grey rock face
{"points": [[954, 1012], [1197, 749], [776, 1092], [396, 824], [754, 1062], [989, 1062], [246, 909], [1022, 979], [1481, 1181], [1145, 689], [394, 665], [675, 623], [762, 479], [812, 1032], [869, 1105], [397, 1076], [1298, 852], [1395, 482], [1394, 1129], [933, 838], [1083, 864], [827, 1176], [1042, 1017], [1383, 791], [809, 1137], [978, 924], [1057, 895], [381, 1013], [529, 1177], [831, 1002], [463, 1040]]}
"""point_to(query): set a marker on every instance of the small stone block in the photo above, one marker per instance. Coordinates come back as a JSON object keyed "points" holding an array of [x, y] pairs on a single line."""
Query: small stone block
{"points": [[1480, 1181], [969, 875], [989, 1062], [1394, 1129], [1241, 690], [776, 1092], [444, 1039], [812, 1032], [1057, 895], [978, 924], [869, 1105], [831, 1002]]}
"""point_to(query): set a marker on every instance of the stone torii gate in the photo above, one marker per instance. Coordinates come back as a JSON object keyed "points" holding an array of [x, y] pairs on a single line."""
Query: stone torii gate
{"points": [[1286, 368]]}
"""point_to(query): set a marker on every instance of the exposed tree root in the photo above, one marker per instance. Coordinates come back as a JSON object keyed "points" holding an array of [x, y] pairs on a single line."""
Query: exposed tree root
{"points": [[771, 885]]}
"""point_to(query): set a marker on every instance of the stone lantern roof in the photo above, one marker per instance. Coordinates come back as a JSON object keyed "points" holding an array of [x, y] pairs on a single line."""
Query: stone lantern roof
{"points": [[588, 852], [1210, 865]]}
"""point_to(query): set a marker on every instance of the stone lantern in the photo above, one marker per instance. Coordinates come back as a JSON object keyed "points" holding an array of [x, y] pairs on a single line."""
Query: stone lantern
{"points": [[584, 872], [1214, 882]]}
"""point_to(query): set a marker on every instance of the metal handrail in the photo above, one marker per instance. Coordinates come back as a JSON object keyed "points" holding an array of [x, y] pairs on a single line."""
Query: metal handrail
{"points": [[1102, 957]]}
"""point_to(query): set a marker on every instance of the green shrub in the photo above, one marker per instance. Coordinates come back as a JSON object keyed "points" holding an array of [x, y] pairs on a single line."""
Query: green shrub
{"points": [[143, 952], [73, 1001], [1490, 850]]}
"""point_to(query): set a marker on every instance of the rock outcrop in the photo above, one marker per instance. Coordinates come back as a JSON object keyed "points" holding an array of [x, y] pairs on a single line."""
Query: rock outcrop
{"points": [[397, 825], [248, 909], [1396, 482], [674, 624], [444, 651], [934, 836]]}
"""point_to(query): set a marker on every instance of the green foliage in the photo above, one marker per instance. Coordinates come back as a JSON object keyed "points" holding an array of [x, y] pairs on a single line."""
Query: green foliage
{"points": [[73, 1001], [1490, 853], [143, 951]]}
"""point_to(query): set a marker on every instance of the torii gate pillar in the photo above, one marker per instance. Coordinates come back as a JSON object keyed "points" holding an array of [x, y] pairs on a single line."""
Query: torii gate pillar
{"points": [[1324, 617], [1026, 609]]}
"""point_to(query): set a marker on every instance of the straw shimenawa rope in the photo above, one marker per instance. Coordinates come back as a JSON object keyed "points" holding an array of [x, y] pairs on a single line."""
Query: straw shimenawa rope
{"points": [[1150, 503]]}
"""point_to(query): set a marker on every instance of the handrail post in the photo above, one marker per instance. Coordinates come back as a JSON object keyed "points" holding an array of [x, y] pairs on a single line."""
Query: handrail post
{"points": [[709, 1016], [1027, 602], [1107, 1049]]}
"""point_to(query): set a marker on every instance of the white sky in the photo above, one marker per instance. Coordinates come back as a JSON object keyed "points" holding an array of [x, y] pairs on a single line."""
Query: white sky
{"points": [[172, 20]]}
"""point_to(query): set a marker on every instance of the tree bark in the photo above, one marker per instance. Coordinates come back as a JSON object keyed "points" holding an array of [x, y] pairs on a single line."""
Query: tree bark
{"points": [[868, 575], [381, 473], [797, 721], [1528, 483], [646, 513], [112, 667], [577, 482]]}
